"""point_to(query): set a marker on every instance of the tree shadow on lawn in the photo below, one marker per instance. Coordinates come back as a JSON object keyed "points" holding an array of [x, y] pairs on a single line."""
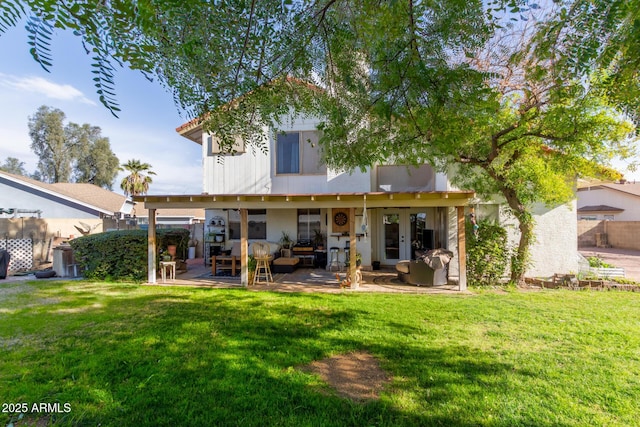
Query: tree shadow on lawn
{"points": [[220, 358]]}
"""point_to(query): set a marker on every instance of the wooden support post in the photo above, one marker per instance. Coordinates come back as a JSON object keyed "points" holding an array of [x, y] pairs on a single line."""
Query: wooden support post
{"points": [[151, 247], [462, 251], [244, 247], [352, 249]]}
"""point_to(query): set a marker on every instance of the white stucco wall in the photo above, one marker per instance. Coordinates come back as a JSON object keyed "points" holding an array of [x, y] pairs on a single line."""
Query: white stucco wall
{"points": [[555, 249]]}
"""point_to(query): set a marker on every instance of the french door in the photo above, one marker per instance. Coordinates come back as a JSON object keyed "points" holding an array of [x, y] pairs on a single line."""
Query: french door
{"points": [[403, 232]]}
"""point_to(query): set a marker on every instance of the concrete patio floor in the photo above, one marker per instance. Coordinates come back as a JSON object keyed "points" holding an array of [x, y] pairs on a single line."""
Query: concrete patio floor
{"points": [[305, 280]]}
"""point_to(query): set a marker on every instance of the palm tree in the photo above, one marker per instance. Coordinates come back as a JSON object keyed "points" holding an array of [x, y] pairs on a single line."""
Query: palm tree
{"points": [[136, 182]]}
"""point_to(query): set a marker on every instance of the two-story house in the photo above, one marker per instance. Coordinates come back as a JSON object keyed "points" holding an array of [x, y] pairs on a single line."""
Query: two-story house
{"points": [[383, 213]]}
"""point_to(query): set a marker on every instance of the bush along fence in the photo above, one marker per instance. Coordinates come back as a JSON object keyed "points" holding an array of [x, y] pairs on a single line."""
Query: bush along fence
{"points": [[122, 255]]}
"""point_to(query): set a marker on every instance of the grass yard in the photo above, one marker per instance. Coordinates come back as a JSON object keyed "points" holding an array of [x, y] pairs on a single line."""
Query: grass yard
{"points": [[126, 355]]}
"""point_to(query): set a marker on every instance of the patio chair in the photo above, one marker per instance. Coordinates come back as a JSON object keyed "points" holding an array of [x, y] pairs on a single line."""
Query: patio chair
{"points": [[263, 260]]}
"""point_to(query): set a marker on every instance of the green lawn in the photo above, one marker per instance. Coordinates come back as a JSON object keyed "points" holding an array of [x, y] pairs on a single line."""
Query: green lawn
{"points": [[126, 355]]}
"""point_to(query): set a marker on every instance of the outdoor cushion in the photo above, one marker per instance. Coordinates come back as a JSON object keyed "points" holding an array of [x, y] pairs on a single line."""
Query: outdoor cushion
{"points": [[403, 267], [286, 261], [285, 264]]}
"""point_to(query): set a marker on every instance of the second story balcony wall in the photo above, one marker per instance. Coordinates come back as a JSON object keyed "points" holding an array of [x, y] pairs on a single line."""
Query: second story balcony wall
{"points": [[406, 178]]}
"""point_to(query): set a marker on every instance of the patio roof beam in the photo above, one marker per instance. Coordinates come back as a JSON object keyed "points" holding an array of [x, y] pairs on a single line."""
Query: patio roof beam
{"points": [[287, 201]]}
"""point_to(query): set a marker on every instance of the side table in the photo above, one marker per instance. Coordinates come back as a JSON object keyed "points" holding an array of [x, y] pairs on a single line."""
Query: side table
{"points": [[168, 265]]}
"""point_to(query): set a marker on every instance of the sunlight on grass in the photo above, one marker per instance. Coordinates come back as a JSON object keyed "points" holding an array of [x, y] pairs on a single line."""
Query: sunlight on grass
{"points": [[122, 354]]}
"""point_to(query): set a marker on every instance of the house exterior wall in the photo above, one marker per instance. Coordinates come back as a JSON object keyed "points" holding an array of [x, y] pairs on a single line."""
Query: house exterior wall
{"points": [[13, 195], [246, 173], [555, 249], [613, 198]]}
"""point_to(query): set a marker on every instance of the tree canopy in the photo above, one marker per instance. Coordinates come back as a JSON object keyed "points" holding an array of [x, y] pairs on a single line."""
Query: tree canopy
{"points": [[70, 152], [138, 180], [14, 165]]}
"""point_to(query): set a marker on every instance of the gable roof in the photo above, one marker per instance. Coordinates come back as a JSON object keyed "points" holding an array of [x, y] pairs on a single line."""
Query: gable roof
{"points": [[192, 129], [88, 195], [632, 189], [96, 197], [91, 194]]}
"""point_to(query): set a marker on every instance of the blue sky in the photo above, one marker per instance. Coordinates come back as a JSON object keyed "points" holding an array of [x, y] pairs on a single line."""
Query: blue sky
{"points": [[145, 128]]}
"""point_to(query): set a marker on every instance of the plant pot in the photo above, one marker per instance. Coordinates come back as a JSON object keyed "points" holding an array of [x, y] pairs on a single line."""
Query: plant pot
{"points": [[171, 249]]}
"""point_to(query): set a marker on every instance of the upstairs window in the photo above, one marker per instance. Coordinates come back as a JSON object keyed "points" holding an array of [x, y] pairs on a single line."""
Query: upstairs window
{"points": [[298, 153], [213, 147]]}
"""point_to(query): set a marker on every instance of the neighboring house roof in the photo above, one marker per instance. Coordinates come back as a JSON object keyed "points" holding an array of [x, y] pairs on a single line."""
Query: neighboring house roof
{"points": [[599, 208], [632, 189], [88, 195], [95, 197], [92, 194]]}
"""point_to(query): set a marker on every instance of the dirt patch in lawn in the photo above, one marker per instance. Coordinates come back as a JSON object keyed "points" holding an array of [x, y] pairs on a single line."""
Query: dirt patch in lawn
{"points": [[356, 376]]}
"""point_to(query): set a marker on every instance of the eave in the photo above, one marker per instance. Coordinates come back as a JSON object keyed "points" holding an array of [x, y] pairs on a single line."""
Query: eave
{"points": [[323, 200]]}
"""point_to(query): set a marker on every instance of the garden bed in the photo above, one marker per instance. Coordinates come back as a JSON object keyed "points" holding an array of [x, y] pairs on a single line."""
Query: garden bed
{"points": [[564, 281]]}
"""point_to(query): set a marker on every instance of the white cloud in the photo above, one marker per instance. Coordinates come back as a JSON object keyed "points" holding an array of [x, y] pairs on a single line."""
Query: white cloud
{"points": [[42, 86]]}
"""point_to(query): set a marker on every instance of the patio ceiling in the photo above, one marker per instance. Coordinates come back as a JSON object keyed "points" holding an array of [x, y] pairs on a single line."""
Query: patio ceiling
{"points": [[324, 200]]}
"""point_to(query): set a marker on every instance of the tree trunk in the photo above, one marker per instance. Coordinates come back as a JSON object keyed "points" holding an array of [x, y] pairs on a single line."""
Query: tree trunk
{"points": [[520, 260]]}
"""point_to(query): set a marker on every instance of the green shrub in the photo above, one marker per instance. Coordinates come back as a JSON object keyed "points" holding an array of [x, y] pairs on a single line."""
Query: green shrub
{"points": [[487, 254], [597, 262], [122, 255]]}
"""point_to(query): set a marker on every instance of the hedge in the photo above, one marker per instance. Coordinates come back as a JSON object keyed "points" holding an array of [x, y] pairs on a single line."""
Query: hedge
{"points": [[122, 255]]}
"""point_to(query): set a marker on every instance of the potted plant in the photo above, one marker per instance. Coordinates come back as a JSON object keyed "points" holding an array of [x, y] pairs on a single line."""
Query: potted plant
{"points": [[251, 269], [318, 239], [285, 241], [285, 244]]}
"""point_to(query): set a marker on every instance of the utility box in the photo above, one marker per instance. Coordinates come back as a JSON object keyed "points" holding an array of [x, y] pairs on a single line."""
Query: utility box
{"points": [[601, 240], [64, 263]]}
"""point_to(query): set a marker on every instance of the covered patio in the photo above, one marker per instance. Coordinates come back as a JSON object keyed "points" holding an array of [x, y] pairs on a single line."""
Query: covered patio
{"points": [[347, 201], [306, 280]]}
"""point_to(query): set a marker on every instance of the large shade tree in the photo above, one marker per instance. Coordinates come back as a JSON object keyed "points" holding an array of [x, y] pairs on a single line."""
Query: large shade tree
{"points": [[463, 84], [70, 152]]}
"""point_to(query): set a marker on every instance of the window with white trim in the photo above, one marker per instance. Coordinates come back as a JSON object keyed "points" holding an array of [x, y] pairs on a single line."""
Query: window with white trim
{"points": [[308, 223], [257, 219]]}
